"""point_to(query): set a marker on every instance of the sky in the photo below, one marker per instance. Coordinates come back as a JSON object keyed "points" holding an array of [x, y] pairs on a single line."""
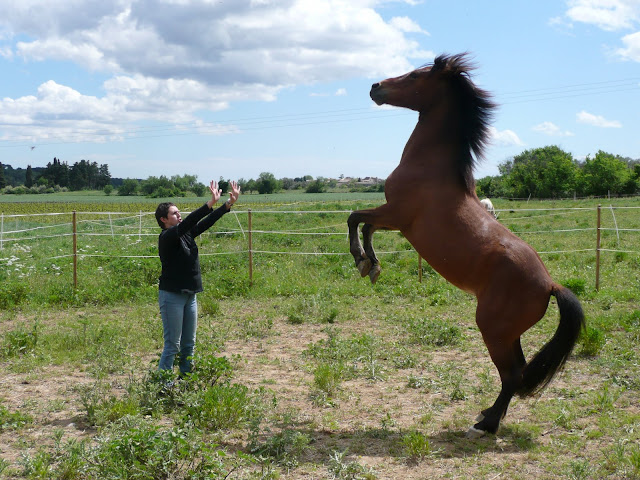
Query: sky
{"points": [[234, 88]]}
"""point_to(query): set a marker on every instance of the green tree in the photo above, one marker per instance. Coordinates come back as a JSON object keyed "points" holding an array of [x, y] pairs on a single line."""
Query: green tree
{"points": [[104, 177], [28, 182], [199, 189], [57, 173], [317, 186], [492, 187], [129, 187], [156, 187], [223, 185], [267, 183], [108, 189], [607, 173], [249, 185], [3, 182], [547, 172]]}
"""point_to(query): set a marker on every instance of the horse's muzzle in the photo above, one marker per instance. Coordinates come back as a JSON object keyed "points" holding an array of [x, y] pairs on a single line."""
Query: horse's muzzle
{"points": [[377, 93]]}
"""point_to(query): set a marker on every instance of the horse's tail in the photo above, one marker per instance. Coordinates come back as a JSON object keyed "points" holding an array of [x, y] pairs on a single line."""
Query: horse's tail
{"points": [[550, 359]]}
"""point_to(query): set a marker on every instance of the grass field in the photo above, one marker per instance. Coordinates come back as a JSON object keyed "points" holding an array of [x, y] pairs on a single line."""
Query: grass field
{"points": [[310, 372]]}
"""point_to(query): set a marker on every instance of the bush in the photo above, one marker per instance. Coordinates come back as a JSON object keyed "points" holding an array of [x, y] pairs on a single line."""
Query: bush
{"points": [[576, 285], [218, 407], [129, 187], [19, 342], [316, 186], [592, 341], [141, 446], [12, 295]]}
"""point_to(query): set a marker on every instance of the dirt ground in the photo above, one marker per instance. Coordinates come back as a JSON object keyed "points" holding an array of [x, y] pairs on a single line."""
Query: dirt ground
{"points": [[367, 420]]}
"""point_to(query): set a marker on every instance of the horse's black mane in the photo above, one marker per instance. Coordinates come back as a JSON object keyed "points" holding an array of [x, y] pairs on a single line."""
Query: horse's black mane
{"points": [[477, 110]]}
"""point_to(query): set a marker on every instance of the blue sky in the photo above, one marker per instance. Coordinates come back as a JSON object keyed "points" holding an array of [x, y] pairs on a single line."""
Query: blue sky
{"points": [[234, 88]]}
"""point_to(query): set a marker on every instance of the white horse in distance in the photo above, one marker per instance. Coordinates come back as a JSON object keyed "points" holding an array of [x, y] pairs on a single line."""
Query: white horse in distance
{"points": [[488, 206]]}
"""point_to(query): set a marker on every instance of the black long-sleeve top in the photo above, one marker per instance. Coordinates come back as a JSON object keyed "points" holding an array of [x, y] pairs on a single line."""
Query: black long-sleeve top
{"points": [[179, 253]]}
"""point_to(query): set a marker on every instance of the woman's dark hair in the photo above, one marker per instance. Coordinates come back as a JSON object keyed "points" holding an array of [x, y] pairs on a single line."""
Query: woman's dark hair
{"points": [[163, 212]]}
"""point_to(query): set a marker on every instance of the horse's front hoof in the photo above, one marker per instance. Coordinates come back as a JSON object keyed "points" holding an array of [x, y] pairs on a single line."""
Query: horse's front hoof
{"points": [[374, 273], [364, 266], [474, 433]]}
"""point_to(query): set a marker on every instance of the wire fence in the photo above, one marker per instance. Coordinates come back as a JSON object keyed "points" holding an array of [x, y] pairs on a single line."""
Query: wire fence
{"points": [[551, 231]]}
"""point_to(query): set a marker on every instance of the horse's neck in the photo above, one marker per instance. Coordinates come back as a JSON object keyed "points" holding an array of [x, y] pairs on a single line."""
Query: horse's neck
{"points": [[433, 148]]}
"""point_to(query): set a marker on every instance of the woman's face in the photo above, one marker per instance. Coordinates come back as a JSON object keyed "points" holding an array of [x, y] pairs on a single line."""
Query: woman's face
{"points": [[173, 218]]}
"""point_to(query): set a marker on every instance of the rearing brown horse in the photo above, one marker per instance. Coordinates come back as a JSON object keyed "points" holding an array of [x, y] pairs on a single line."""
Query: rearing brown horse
{"points": [[431, 199]]}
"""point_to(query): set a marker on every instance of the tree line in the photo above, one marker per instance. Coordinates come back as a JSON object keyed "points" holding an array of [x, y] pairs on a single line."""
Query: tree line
{"points": [[266, 183], [84, 175], [550, 172], [56, 176], [547, 172]]}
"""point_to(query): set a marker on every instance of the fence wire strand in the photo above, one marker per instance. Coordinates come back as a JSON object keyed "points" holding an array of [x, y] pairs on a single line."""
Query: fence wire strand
{"points": [[309, 231]]}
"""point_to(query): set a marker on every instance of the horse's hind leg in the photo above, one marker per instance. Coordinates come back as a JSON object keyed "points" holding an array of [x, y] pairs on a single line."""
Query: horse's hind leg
{"points": [[367, 237], [510, 361]]}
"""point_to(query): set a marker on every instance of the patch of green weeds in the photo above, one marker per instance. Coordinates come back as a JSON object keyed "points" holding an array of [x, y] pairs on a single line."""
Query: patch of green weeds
{"points": [[13, 294], [284, 448], [358, 356], [592, 341], [341, 469], [402, 358], [209, 306], [416, 445], [579, 470], [327, 378], [218, 407], [251, 327], [577, 285], [151, 451], [312, 308], [19, 341], [433, 332], [102, 407], [12, 420], [37, 466]]}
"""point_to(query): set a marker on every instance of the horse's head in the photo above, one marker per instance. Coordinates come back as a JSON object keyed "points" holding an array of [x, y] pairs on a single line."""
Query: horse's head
{"points": [[467, 109], [422, 88]]}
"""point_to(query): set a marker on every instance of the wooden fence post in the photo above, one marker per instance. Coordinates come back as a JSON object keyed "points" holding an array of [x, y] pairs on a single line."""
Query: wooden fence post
{"points": [[75, 252], [598, 249], [250, 251]]}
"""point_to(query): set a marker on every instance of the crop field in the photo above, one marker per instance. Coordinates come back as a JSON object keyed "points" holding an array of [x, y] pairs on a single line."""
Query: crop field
{"points": [[305, 370]]}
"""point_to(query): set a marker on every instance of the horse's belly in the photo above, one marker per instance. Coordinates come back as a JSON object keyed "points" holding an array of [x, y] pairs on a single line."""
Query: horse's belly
{"points": [[471, 264]]}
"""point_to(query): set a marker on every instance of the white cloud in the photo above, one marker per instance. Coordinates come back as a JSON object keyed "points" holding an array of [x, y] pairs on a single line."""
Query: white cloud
{"points": [[608, 15], [504, 138], [596, 120], [551, 129], [405, 24], [169, 59], [341, 92], [631, 51], [60, 113], [6, 52], [220, 43]]}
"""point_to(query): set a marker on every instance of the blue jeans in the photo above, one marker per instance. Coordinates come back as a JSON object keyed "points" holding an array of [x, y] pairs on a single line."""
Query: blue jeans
{"points": [[179, 312]]}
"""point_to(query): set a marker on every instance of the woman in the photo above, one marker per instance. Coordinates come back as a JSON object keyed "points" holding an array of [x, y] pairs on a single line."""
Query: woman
{"points": [[180, 280]]}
